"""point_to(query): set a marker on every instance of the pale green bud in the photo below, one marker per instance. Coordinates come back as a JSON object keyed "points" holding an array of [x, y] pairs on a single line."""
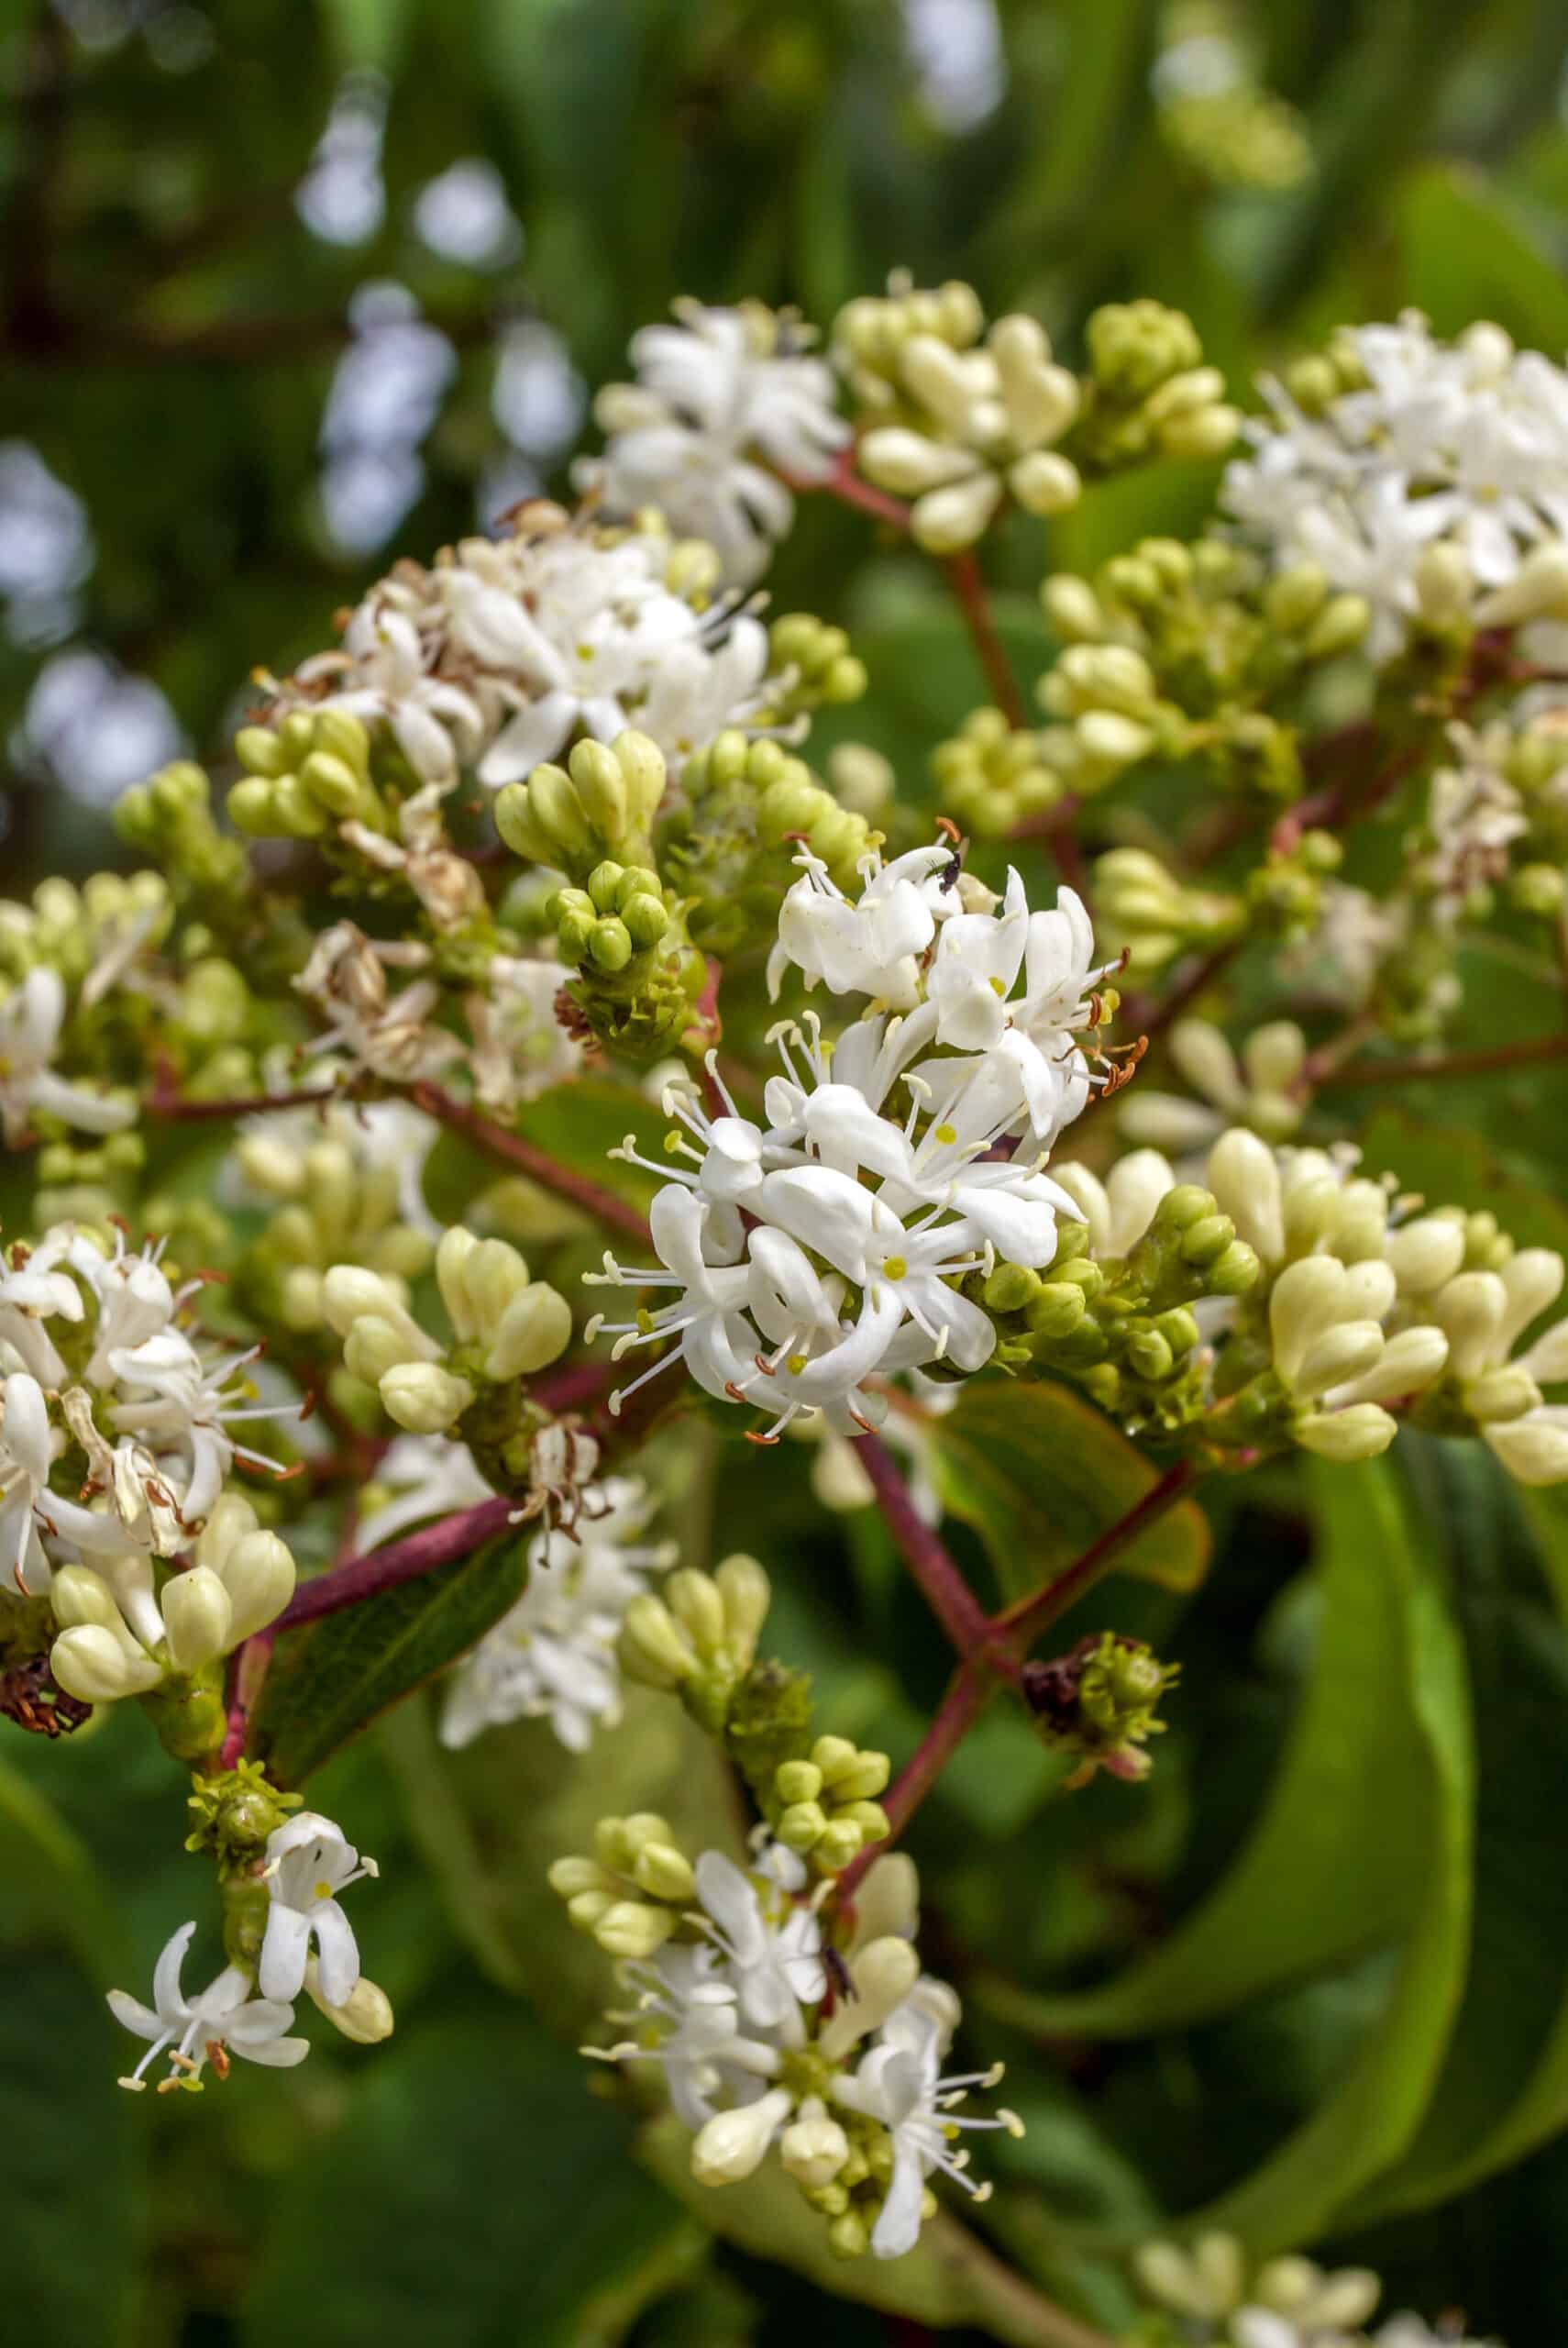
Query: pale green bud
{"points": [[373, 1349], [601, 788], [1339, 626], [261, 750], [97, 1667], [814, 2148], [653, 1647], [946, 521], [556, 808], [1044, 483], [801, 1825], [197, 1618], [423, 1398], [664, 1872], [797, 1781], [746, 1593], [77, 1596], [258, 1574], [729, 2147], [695, 1600], [250, 806], [534, 1331], [1361, 1432], [909, 464], [572, 1875], [365, 2017], [631, 1929], [839, 1844]]}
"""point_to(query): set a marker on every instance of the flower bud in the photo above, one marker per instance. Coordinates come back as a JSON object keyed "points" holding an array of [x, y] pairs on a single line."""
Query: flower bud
{"points": [[1425, 1254], [629, 1928], [1307, 1297], [1472, 1308], [796, 1781], [801, 1825], [908, 463], [1244, 1177], [946, 521], [373, 1349], [78, 1596], [1533, 1449], [197, 1616], [1408, 1363], [365, 2017], [258, 1574], [535, 1330], [653, 1647], [884, 1973], [731, 2145], [1361, 1432], [97, 1667], [746, 1593], [664, 1872], [814, 2147], [694, 1599], [1044, 483], [424, 1398]]}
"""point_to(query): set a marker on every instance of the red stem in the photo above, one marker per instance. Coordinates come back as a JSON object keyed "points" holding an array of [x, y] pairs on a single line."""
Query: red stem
{"points": [[1535, 1049], [968, 582], [511, 1149], [1019, 1625], [942, 1584], [968, 1691], [418, 1552], [178, 1109], [247, 1674], [845, 484]]}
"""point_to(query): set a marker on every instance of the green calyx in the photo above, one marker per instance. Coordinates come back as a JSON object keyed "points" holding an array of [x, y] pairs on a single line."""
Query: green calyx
{"points": [[233, 1812]]}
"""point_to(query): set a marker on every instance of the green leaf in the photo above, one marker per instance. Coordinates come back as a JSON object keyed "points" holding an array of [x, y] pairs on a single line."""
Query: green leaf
{"points": [[1040, 1475], [330, 1680], [1469, 253], [72, 2161], [1373, 2113], [1505, 2084], [1304, 1894], [434, 2215], [949, 2278], [1450, 1167]]}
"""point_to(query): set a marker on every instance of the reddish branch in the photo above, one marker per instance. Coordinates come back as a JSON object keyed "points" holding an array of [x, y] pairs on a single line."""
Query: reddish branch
{"points": [[380, 1570], [1482, 1062], [1022, 1623], [511, 1149], [941, 1584], [965, 578]]}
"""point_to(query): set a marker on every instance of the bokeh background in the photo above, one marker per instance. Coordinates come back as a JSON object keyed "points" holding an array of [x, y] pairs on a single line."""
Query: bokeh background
{"points": [[287, 287]]}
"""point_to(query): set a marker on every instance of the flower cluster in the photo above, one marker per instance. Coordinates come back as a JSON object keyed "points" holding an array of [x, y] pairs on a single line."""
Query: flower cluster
{"points": [[761, 2054], [1287, 2302], [1429, 478], [827, 1248]]}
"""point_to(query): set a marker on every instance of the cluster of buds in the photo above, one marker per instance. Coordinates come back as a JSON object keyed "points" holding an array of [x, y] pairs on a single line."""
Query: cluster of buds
{"points": [[1102, 1701], [506, 1326], [1152, 916], [698, 1639], [963, 419], [129, 1625], [1113, 1311], [1148, 392], [1175, 651], [1215, 2296], [743, 806], [1261, 1086], [88, 933], [170, 818], [639, 974], [824, 1806], [992, 776], [816, 667], [306, 776], [340, 1181], [630, 1895]]}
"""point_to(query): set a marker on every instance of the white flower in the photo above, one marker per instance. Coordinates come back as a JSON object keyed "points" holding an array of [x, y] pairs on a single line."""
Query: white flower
{"points": [[772, 1948], [552, 1656], [898, 2081], [345, 977], [31, 1018], [27, 1453], [684, 1996], [1483, 1315], [309, 1862], [224, 2016], [872, 945], [715, 391]]}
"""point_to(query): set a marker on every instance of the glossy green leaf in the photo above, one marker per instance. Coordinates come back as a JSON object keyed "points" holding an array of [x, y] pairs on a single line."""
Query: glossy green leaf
{"points": [[1305, 1893], [1505, 2084], [433, 2215], [71, 2164], [1374, 2112], [331, 1679], [1469, 253], [949, 2278], [1039, 1474]]}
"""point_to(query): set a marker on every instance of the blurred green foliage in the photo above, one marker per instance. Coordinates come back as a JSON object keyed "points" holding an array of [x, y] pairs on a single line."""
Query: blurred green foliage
{"points": [[174, 329]]}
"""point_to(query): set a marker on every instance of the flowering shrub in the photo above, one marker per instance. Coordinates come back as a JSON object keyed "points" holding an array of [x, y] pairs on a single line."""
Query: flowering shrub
{"points": [[995, 1143]]}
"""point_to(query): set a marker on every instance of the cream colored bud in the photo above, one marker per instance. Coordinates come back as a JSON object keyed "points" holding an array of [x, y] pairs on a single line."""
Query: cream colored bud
{"points": [[373, 1347], [259, 1575], [1308, 1298], [573, 1874], [269, 1165], [535, 1330], [1406, 1364], [1444, 583], [1044, 483], [946, 521], [1109, 739], [653, 1647], [1072, 607], [365, 2017], [229, 1519], [909, 464], [1089, 1194], [1203, 432], [886, 1899], [197, 1617], [630, 1928], [1539, 590], [838, 1479], [731, 2146], [91, 1664], [1533, 1449], [939, 380], [664, 1872], [1504, 1393], [1205, 2282], [1244, 1175], [1532, 1278], [814, 2148], [451, 1259], [351, 1293], [1424, 1254], [746, 1593], [78, 1596], [862, 779], [586, 1907], [884, 1972], [1361, 1432], [1360, 1222], [423, 1398], [642, 763], [1208, 1064], [693, 1599], [1473, 1308]]}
